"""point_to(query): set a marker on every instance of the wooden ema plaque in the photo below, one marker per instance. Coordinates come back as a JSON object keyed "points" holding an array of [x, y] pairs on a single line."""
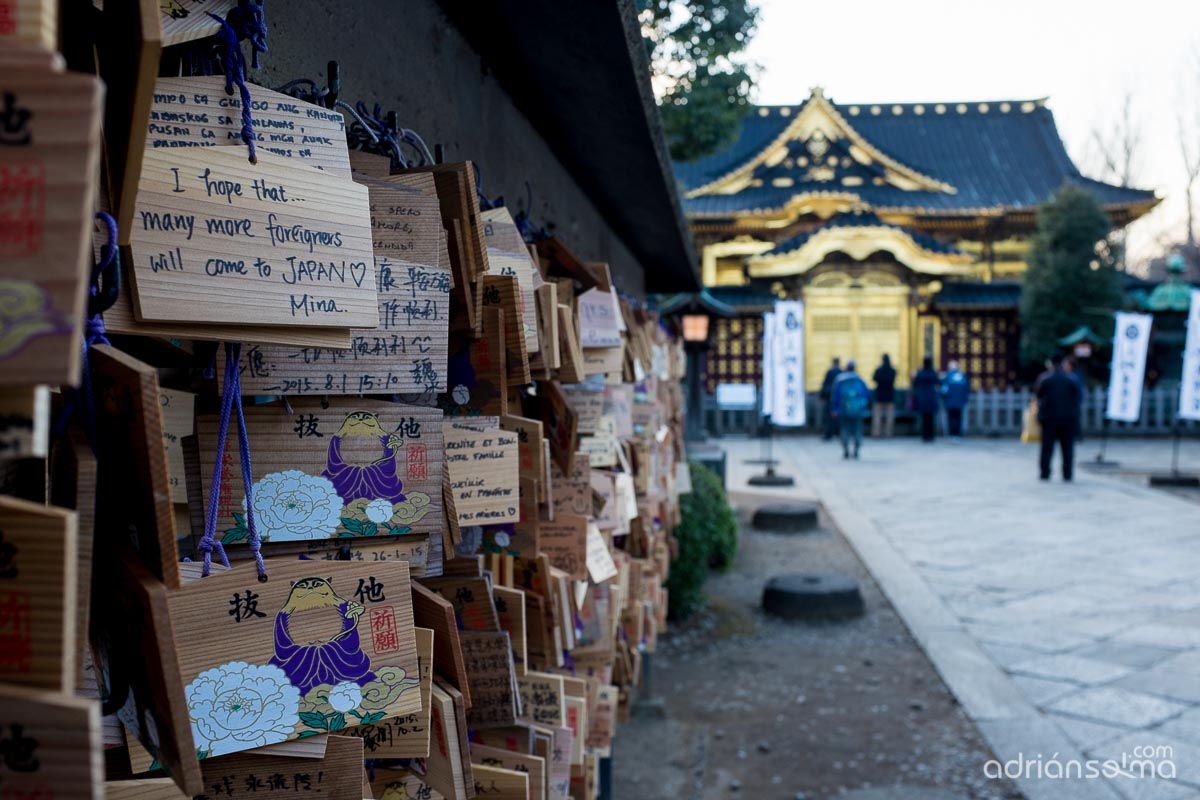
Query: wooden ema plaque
{"points": [[51, 745], [431, 610], [334, 774], [178, 415], [446, 770], [406, 353], [38, 600], [24, 422], [216, 239], [522, 763], [33, 22], [344, 468], [503, 784], [134, 493], [49, 161], [476, 373], [481, 466], [503, 291], [312, 650], [196, 112], [488, 656], [188, 20]]}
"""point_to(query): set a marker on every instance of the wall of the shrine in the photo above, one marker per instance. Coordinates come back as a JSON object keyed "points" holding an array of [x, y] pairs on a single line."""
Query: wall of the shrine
{"points": [[410, 59]]}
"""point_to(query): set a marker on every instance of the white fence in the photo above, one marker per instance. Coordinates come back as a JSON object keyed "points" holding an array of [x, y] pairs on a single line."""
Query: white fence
{"points": [[996, 413]]}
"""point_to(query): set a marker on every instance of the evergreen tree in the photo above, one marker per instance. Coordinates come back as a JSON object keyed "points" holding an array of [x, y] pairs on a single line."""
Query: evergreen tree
{"points": [[700, 75], [1071, 279]]}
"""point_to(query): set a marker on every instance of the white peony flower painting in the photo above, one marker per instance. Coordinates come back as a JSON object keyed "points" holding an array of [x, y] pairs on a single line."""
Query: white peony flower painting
{"points": [[379, 510], [293, 505], [238, 706]]}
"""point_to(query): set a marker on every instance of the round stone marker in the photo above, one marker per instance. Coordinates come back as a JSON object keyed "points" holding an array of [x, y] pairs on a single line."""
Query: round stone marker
{"points": [[771, 479], [813, 596], [786, 517]]}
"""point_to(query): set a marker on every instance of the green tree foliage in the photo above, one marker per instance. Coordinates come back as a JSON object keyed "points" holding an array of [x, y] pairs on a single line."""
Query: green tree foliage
{"points": [[1071, 279], [707, 537], [701, 77]]}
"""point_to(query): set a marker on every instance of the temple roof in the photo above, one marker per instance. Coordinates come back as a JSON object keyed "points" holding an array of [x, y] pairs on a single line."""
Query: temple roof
{"points": [[932, 158]]}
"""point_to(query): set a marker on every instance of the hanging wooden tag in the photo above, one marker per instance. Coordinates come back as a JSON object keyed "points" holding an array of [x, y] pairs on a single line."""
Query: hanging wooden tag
{"points": [[33, 22], [521, 763], [196, 112], [573, 491], [599, 320], [188, 20], [431, 610], [24, 422], [134, 496], [472, 600], [560, 424], [315, 648], [481, 465], [345, 468], [73, 486], [406, 353], [503, 784], [178, 414], [503, 291], [517, 265], [565, 542], [38, 595], [49, 166], [51, 745], [216, 239], [477, 380], [510, 609], [393, 783], [489, 661], [446, 770]]}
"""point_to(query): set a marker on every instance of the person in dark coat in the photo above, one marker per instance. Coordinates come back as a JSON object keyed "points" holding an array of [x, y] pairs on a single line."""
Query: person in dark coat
{"points": [[829, 425], [1059, 397], [925, 385], [883, 411], [956, 390]]}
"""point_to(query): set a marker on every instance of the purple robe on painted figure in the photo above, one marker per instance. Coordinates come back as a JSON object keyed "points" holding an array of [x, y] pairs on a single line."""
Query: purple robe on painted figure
{"points": [[372, 481], [333, 661]]}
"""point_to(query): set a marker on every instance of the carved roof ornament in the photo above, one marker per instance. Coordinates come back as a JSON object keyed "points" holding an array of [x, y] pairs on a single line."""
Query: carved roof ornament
{"points": [[815, 129]]}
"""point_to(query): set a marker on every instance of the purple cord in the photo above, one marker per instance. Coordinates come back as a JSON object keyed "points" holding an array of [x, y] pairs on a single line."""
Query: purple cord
{"points": [[244, 21], [231, 399]]}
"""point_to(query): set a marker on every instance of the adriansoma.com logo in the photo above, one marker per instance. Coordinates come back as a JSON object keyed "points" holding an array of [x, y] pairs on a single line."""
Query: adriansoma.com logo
{"points": [[1144, 761]]}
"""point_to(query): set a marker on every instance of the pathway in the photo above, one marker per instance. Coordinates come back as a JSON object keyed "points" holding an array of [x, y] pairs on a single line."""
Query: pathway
{"points": [[1065, 618]]}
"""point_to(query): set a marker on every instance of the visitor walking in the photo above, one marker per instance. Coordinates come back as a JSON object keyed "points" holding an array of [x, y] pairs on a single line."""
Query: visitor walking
{"points": [[1058, 412], [956, 389], [829, 426], [925, 397], [883, 411], [850, 400]]}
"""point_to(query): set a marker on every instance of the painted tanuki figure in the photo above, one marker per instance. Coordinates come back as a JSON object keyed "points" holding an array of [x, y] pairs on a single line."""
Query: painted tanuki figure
{"points": [[316, 637], [373, 480]]}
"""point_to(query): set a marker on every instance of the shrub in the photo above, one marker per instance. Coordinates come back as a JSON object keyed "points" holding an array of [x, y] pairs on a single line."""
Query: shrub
{"points": [[707, 536]]}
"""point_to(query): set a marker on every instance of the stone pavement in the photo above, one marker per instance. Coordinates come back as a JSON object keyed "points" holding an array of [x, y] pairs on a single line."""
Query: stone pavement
{"points": [[1064, 617]]}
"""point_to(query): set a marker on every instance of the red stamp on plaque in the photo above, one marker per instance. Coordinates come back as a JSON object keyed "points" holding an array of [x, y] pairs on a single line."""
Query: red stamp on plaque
{"points": [[417, 456], [8, 18], [16, 631], [22, 207], [384, 634]]}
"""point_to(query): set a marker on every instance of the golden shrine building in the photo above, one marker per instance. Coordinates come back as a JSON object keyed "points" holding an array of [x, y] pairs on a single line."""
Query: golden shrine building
{"points": [[903, 227]]}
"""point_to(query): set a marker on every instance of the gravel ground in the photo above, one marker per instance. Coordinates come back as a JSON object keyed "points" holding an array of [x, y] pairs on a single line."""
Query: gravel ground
{"points": [[751, 706]]}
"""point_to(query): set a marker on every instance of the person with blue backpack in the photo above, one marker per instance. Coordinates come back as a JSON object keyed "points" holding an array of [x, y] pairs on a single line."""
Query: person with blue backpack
{"points": [[851, 399], [956, 390]]}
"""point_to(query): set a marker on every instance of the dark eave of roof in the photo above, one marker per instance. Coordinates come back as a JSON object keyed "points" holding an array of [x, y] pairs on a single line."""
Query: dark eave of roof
{"points": [[580, 73], [860, 219], [978, 296]]}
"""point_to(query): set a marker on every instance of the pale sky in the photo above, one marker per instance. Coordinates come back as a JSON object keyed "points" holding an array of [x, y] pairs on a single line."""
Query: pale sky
{"points": [[1082, 54]]}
